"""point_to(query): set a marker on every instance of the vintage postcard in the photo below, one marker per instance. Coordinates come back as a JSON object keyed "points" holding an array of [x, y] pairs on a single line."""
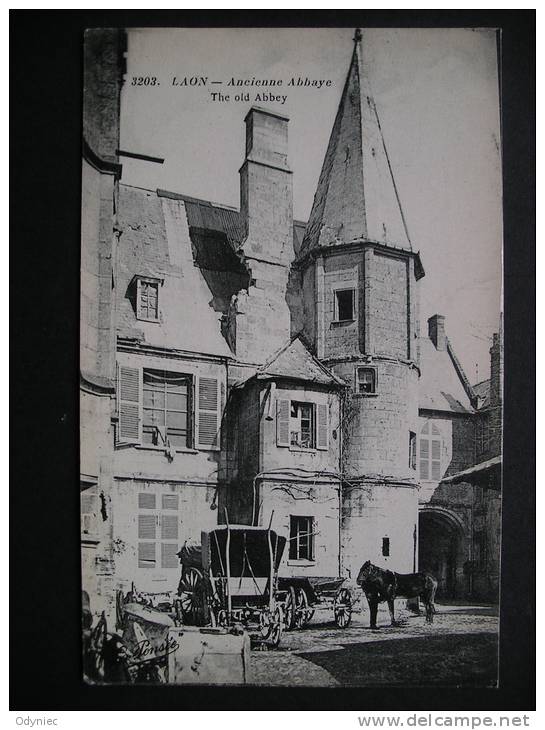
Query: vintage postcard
{"points": [[291, 356]]}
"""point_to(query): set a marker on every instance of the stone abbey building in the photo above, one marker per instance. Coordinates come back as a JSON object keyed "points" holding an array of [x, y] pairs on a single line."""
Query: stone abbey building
{"points": [[243, 365]]}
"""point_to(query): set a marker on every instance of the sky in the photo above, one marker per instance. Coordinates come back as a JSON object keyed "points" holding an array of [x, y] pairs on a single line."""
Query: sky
{"points": [[436, 91]]}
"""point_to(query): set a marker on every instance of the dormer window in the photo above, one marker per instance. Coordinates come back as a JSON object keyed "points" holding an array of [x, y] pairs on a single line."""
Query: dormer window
{"points": [[147, 298]]}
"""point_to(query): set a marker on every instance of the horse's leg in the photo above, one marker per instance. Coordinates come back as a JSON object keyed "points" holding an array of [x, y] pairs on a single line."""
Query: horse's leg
{"points": [[432, 600], [427, 605], [391, 609], [373, 606]]}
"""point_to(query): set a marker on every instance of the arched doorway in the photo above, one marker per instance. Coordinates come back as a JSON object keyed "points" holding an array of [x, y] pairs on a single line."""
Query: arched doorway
{"points": [[440, 550]]}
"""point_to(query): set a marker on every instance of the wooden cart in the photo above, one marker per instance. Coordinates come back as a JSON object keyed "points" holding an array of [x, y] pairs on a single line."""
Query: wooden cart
{"points": [[233, 580], [302, 596]]}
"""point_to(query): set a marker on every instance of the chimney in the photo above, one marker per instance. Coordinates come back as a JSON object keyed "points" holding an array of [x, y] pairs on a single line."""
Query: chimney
{"points": [[266, 198], [496, 369], [436, 331], [258, 322]]}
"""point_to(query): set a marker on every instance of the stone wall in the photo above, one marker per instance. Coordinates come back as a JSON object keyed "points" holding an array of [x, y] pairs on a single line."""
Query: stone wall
{"points": [[191, 514], [283, 499], [388, 299], [371, 512], [103, 72], [376, 427]]}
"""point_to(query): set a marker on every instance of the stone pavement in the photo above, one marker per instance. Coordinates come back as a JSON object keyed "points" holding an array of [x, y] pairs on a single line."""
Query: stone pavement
{"points": [[459, 648]]}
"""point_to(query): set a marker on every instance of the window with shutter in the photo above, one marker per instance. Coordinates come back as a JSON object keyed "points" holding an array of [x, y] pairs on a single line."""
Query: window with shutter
{"points": [[431, 448], [282, 422], [158, 531], [322, 426], [166, 408], [146, 538], [208, 415], [128, 405], [302, 425]]}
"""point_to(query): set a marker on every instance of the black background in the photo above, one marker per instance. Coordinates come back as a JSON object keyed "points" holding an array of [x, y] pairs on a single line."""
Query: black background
{"points": [[45, 168]]}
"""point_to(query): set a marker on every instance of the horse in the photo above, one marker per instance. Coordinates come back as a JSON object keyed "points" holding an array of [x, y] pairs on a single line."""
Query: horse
{"points": [[384, 585]]}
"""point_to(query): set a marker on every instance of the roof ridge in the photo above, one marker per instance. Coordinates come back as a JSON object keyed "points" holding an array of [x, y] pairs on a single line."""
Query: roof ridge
{"points": [[461, 374]]}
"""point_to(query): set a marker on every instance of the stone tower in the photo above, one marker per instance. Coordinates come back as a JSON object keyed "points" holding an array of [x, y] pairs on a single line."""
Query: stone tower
{"points": [[359, 277]]}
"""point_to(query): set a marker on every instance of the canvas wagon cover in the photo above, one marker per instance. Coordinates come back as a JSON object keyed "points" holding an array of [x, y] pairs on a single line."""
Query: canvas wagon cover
{"points": [[249, 551]]}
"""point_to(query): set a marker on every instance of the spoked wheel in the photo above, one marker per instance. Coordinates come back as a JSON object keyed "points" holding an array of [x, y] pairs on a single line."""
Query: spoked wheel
{"points": [[343, 608], [270, 626], [303, 612], [192, 592], [289, 610]]}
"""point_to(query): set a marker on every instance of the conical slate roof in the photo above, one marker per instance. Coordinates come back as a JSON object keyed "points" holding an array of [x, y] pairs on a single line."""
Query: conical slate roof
{"points": [[356, 197]]}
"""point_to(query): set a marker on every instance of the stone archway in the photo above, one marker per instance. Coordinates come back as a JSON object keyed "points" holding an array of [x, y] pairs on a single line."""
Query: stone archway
{"points": [[441, 550]]}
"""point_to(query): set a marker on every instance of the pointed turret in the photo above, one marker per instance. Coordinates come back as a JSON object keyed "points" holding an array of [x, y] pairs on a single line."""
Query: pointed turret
{"points": [[356, 197]]}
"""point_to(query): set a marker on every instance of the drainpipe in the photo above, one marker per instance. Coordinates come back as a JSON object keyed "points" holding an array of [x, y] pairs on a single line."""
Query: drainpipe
{"points": [[341, 414]]}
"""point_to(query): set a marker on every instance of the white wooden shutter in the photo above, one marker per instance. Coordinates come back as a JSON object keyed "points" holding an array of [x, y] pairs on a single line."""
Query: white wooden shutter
{"points": [[436, 459], [208, 414], [322, 426], [282, 422], [129, 405]]}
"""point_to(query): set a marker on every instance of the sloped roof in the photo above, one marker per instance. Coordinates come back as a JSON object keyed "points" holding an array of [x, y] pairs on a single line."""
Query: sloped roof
{"points": [[440, 387], [482, 391], [477, 474], [356, 197], [295, 362], [156, 241], [203, 215]]}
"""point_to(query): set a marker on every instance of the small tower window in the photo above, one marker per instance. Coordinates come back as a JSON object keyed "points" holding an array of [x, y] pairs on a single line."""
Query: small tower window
{"points": [[344, 305], [412, 450], [366, 380], [386, 547]]}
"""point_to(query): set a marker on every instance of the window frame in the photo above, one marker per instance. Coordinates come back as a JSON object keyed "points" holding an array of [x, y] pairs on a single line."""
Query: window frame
{"points": [[374, 372], [336, 291], [412, 450], [149, 281], [313, 410], [189, 412], [162, 527], [429, 437], [294, 551]]}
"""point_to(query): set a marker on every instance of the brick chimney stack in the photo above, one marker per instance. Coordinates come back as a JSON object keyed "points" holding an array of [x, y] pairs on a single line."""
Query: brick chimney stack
{"points": [[436, 331], [496, 370]]}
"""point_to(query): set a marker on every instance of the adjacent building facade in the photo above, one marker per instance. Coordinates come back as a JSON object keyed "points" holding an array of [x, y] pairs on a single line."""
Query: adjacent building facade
{"points": [[251, 368]]}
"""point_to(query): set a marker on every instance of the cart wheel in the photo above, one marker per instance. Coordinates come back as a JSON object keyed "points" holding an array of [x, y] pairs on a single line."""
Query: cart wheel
{"points": [[270, 626], [343, 608], [303, 613], [289, 610], [192, 597]]}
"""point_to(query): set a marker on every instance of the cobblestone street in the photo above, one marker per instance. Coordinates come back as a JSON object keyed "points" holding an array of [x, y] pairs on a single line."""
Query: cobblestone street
{"points": [[460, 648]]}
